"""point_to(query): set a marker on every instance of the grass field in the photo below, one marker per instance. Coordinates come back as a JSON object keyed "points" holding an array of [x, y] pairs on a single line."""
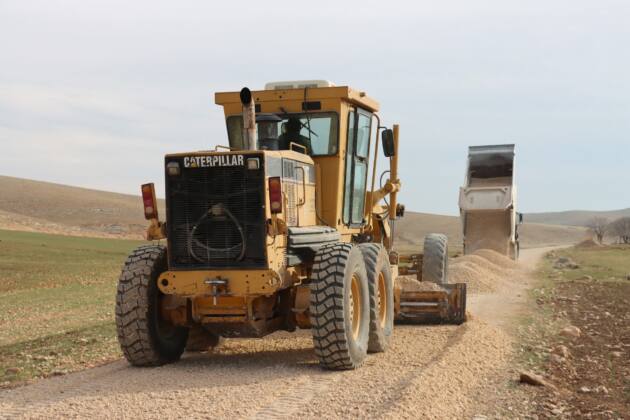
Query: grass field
{"points": [[56, 303]]}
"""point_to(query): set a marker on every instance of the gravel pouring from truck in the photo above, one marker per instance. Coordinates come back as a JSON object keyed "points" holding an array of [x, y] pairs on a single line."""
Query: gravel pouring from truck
{"points": [[487, 201]]}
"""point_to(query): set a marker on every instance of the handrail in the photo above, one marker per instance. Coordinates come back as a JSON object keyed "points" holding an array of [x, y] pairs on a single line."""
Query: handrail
{"points": [[220, 146], [368, 208], [291, 144]]}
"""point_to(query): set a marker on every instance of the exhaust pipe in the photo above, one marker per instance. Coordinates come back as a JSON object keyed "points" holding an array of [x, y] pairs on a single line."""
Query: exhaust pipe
{"points": [[249, 119]]}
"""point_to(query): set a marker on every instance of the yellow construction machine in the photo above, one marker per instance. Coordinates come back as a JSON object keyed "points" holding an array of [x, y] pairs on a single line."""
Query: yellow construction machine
{"points": [[282, 229]]}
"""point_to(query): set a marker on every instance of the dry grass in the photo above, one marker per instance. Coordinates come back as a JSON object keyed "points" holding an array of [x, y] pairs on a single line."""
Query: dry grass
{"points": [[54, 208]]}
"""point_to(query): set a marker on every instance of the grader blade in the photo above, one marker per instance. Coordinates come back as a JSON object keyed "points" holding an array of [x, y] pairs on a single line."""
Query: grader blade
{"points": [[437, 306]]}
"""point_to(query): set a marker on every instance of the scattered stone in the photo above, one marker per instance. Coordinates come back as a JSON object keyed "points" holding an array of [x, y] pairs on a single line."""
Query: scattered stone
{"points": [[601, 389], [58, 372], [557, 411], [587, 278], [616, 354], [557, 359], [561, 350], [533, 379], [571, 332], [83, 340], [565, 262], [584, 390], [479, 417]]}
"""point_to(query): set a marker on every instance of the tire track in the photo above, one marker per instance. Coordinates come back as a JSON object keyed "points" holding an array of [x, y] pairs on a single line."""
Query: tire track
{"points": [[290, 403], [404, 383]]}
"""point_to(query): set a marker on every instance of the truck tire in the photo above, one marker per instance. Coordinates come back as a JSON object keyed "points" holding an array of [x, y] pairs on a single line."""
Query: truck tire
{"points": [[435, 260], [201, 340], [381, 287], [145, 339], [340, 307]]}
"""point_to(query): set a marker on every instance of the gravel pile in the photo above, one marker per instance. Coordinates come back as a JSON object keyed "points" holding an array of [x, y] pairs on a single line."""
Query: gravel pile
{"points": [[484, 271], [411, 284], [496, 258]]}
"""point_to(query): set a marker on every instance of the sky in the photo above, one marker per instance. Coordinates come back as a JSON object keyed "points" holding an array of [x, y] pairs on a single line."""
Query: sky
{"points": [[95, 93]]}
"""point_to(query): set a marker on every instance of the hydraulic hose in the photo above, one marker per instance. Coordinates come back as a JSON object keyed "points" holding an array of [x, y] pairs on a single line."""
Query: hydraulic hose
{"points": [[217, 210]]}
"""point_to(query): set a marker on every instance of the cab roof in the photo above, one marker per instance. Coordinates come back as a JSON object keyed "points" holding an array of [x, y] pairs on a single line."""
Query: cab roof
{"points": [[342, 93]]}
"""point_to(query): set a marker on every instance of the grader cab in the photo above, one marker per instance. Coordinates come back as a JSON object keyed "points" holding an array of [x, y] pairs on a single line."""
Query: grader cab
{"points": [[282, 229]]}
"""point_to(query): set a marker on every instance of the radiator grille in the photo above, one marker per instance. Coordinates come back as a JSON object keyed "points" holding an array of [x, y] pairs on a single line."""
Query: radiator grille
{"points": [[216, 217]]}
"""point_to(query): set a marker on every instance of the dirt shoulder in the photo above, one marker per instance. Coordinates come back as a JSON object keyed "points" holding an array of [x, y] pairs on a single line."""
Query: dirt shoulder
{"points": [[581, 341]]}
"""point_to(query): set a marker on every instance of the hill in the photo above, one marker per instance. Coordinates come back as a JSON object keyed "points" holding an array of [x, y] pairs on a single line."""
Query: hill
{"points": [[574, 217], [411, 230], [54, 208]]}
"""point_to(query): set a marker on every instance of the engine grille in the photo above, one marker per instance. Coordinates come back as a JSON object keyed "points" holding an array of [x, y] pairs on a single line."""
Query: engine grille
{"points": [[216, 217]]}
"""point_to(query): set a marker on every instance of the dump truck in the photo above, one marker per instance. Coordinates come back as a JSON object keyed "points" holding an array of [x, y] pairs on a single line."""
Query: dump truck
{"points": [[283, 228], [487, 201]]}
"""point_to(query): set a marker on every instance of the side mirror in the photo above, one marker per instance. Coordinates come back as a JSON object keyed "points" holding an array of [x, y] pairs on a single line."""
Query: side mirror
{"points": [[389, 149], [520, 218]]}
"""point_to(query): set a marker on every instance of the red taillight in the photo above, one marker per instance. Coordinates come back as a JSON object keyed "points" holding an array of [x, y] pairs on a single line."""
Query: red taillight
{"points": [[149, 201], [275, 195]]}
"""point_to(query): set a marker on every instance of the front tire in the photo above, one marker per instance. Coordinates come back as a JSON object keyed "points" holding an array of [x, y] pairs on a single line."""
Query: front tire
{"points": [[381, 287], [340, 307], [435, 259], [145, 339]]}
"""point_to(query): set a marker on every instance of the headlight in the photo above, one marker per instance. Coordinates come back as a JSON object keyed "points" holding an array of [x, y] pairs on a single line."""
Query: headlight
{"points": [[253, 163], [172, 168]]}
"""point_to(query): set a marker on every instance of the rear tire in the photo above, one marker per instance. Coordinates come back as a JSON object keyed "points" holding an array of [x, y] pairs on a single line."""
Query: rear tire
{"points": [[145, 339], [381, 287], [340, 307], [435, 260]]}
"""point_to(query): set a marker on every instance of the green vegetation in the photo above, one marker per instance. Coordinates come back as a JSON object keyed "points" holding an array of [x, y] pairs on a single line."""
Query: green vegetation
{"points": [[606, 263], [57, 303], [538, 327]]}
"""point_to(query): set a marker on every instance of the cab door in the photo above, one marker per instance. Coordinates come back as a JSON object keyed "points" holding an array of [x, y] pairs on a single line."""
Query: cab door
{"points": [[357, 154]]}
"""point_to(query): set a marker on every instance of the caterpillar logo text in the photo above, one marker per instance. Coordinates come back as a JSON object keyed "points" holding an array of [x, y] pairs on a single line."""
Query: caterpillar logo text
{"points": [[212, 161]]}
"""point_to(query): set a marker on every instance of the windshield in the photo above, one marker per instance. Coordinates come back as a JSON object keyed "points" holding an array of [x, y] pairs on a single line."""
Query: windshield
{"points": [[316, 132]]}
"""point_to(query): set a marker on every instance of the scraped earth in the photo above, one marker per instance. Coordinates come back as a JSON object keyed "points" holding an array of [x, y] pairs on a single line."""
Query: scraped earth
{"points": [[436, 371]]}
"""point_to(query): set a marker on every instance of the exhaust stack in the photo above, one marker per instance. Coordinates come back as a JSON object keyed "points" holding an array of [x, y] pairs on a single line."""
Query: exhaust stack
{"points": [[249, 119]]}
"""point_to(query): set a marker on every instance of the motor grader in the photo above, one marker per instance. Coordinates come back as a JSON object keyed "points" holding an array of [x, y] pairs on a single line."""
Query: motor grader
{"points": [[285, 228]]}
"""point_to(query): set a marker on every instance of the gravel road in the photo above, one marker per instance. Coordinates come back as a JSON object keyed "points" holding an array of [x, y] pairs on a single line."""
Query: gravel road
{"points": [[429, 372]]}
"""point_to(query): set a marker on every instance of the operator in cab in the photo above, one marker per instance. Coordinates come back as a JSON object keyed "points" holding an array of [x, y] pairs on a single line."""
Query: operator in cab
{"points": [[291, 134]]}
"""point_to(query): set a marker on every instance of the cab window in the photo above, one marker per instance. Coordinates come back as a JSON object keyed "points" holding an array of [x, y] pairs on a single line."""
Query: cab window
{"points": [[359, 128], [317, 133]]}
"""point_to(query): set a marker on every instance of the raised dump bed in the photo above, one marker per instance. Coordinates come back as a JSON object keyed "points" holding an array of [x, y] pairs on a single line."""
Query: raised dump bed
{"points": [[487, 201]]}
